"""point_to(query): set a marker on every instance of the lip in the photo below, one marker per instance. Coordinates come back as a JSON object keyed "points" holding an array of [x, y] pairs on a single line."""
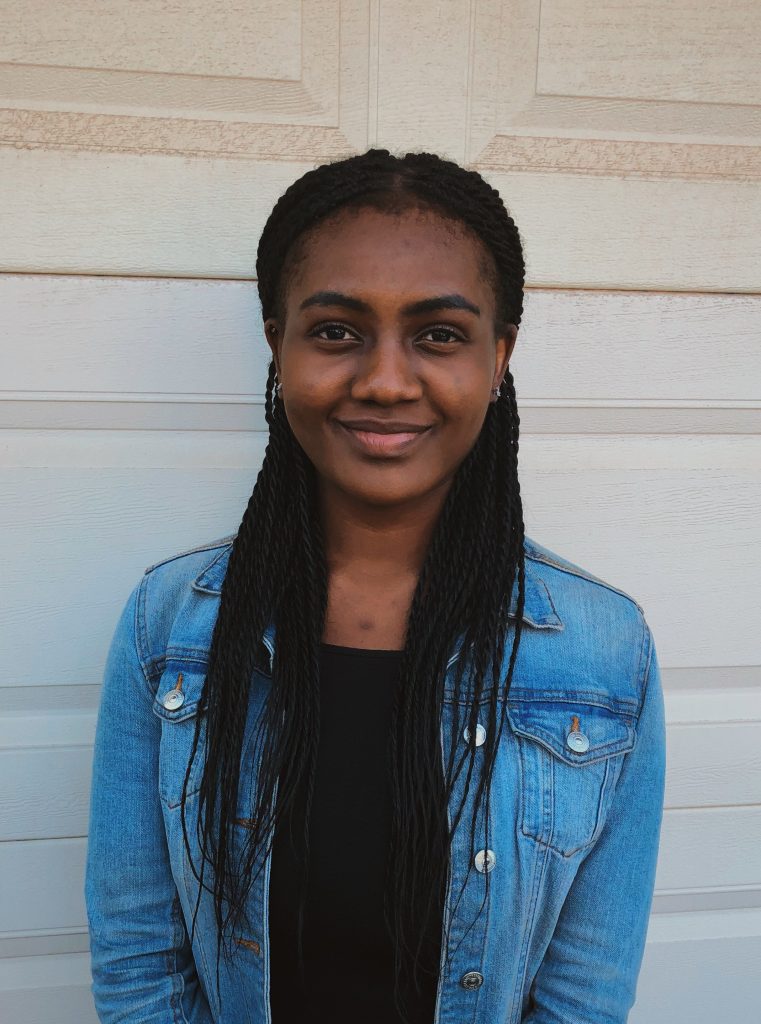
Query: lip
{"points": [[383, 442], [384, 426]]}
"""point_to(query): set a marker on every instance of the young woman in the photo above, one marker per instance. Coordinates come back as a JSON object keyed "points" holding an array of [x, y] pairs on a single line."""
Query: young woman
{"points": [[378, 756]]}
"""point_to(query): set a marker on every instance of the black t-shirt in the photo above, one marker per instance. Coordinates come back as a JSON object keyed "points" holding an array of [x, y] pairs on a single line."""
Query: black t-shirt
{"points": [[348, 953]]}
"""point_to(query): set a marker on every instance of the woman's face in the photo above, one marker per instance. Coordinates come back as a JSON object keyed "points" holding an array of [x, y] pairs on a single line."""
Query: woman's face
{"points": [[388, 355]]}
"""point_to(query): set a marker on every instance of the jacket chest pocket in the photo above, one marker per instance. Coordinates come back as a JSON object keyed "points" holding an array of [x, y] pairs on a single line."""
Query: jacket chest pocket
{"points": [[571, 755], [177, 704]]}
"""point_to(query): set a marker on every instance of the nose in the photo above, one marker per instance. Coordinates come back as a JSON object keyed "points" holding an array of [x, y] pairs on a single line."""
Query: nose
{"points": [[385, 373]]}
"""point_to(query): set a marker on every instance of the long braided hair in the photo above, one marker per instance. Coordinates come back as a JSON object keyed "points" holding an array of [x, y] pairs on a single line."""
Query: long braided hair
{"points": [[277, 573]]}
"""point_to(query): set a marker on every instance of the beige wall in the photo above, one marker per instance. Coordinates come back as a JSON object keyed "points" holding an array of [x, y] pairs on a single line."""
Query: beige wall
{"points": [[141, 148]]}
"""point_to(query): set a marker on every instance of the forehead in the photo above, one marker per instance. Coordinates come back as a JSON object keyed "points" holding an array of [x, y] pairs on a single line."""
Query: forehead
{"points": [[416, 251]]}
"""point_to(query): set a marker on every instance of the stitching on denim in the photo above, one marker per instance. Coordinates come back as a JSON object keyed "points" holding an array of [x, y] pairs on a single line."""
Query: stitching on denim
{"points": [[519, 824], [621, 706], [582, 574], [446, 915], [607, 783], [210, 546], [178, 982], [520, 978], [140, 639], [191, 883], [207, 568], [485, 927], [175, 652], [558, 852], [602, 752], [548, 592], [548, 787], [158, 662], [543, 781], [194, 782], [549, 798], [645, 661]]}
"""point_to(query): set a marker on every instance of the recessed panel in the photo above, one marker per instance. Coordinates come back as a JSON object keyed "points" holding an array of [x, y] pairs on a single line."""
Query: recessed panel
{"points": [[680, 50], [258, 39]]}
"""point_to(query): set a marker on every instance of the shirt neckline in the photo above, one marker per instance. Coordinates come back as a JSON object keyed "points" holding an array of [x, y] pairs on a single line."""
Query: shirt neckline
{"points": [[359, 651]]}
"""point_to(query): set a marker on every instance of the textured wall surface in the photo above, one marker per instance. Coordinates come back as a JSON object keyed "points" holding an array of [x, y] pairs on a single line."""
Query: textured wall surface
{"points": [[141, 148]]}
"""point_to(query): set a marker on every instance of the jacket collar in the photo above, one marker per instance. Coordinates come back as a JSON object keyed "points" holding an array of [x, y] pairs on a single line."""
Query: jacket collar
{"points": [[538, 610]]}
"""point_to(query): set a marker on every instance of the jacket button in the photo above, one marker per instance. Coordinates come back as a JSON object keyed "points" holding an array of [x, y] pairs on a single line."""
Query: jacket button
{"points": [[473, 979], [480, 735], [485, 860], [174, 699], [577, 741]]}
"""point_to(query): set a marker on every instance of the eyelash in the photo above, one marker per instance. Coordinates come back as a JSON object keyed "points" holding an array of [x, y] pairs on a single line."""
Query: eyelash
{"points": [[342, 327]]}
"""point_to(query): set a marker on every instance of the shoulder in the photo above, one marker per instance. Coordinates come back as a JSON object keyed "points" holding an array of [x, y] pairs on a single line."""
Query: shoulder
{"points": [[605, 633], [172, 598], [183, 562], [575, 579]]}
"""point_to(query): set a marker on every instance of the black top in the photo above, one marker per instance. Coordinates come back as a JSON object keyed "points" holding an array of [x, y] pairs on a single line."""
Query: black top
{"points": [[348, 953]]}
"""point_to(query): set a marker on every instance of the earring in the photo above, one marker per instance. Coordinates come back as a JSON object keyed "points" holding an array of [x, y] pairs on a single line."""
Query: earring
{"points": [[278, 387], [497, 391]]}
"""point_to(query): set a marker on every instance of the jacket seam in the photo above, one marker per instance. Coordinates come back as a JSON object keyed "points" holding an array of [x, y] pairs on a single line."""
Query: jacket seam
{"points": [[628, 709], [210, 566], [548, 592], [582, 574], [646, 660], [158, 662], [222, 542], [141, 637], [178, 983], [213, 994], [541, 855]]}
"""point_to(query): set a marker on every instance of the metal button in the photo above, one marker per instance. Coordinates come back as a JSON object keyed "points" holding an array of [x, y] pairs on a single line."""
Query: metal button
{"points": [[473, 979], [174, 699], [480, 735], [485, 860], [578, 742]]}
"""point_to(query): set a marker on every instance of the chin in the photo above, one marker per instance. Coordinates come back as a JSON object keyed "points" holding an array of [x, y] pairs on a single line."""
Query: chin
{"points": [[389, 492]]}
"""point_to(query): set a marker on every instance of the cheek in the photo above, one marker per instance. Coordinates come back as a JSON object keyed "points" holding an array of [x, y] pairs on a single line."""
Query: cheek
{"points": [[465, 412], [308, 425], [459, 441], [309, 420]]}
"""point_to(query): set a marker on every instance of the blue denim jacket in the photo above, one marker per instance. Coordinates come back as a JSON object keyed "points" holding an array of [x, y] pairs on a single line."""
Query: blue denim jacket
{"points": [[573, 833]]}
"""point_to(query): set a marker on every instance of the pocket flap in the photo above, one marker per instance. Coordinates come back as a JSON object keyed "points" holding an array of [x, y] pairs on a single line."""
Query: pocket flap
{"points": [[179, 691], [578, 733]]}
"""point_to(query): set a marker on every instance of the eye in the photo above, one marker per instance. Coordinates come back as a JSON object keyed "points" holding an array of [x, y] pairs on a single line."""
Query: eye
{"points": [[441, 330], [320, 330]]}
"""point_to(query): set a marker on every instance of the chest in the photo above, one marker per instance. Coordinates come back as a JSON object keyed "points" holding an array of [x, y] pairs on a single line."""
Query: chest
{"points": [[549, 801], [368, 615]]}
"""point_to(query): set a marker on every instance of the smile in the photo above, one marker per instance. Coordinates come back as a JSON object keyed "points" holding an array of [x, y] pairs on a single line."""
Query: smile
{"points": [[371, 442]]}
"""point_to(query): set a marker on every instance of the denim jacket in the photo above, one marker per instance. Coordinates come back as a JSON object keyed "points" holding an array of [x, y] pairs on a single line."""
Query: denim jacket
{"points": [[574, 823]]}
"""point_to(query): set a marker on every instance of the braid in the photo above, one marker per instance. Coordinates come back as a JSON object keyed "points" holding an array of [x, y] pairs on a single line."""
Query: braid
{"points": [[277, 572]]}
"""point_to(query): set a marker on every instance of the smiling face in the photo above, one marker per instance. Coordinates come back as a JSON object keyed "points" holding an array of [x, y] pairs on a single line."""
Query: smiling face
{"points": [[389, 326]]}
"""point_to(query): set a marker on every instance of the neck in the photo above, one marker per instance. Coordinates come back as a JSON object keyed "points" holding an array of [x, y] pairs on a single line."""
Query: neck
{"points": [[377, 541]]}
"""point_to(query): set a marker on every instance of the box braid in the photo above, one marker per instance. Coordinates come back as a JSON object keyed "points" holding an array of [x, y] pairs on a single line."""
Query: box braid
{"points": [[277, 572]]}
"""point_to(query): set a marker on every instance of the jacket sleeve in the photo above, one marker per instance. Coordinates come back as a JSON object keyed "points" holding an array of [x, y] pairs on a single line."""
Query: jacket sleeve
{"points": [[590, 969], [142, 966]]}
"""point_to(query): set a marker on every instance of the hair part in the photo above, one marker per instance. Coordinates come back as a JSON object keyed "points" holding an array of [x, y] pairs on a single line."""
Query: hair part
{"points": [[277, 573]]}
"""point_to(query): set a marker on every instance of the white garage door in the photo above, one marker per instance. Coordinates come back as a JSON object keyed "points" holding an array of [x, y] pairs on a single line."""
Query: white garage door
{"points": [[142, 145]]}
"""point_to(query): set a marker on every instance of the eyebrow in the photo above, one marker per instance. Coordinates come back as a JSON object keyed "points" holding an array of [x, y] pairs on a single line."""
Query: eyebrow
{"points": [[452, 301]]}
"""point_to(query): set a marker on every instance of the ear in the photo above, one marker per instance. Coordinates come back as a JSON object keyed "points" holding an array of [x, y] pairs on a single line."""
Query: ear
{"points": [[504, 350], [273, 338]]}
